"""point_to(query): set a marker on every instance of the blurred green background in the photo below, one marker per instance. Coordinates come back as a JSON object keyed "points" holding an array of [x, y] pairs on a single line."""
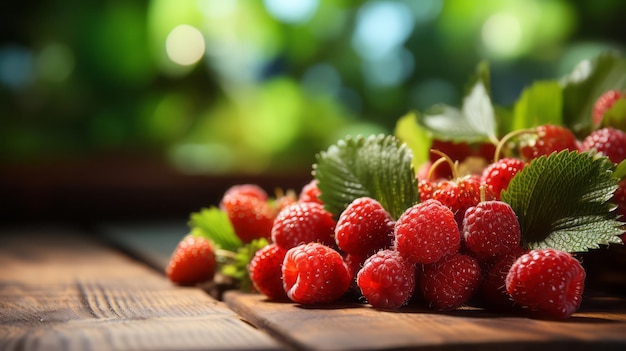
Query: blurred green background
{"points": [[243, 87], [219, 86]]}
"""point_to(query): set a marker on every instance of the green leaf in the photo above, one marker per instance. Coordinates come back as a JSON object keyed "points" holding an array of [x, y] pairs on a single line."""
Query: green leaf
{"points": [[213, 224], [582, 87], [479, 112], [415, 137], [377, 166], [482, 74], [562, 202], [541, 103], [475, 122], [620, 171], [616, 116], [237, 265]]}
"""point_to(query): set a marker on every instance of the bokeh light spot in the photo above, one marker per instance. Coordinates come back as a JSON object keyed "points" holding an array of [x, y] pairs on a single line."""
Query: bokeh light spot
{"points": [[502, 35], [291, 11], [185, 45], [55, 62], [322, 79], [389, 70], [16, 67], [381, 27]]}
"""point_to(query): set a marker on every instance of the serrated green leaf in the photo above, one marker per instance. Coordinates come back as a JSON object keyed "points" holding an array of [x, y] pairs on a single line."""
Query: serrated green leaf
{"points": [[377, 166], [562, 202], [541, 103], [479, 112], [474, 122], [589, 80], [213, 224], [415, 137]]}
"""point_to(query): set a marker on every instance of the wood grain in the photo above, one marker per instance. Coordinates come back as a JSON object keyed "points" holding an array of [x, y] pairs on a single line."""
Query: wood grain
{"points": [[358, 327], [60, 291]]}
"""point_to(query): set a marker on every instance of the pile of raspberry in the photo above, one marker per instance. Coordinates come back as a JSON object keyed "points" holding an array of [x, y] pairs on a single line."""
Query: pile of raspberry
{"points": [[424, 257], [458, 245]]}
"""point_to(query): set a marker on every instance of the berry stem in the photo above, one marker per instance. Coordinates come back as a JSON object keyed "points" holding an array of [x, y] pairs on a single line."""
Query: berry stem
{"points": [[226, 254], [506, 138], [444, 158]]}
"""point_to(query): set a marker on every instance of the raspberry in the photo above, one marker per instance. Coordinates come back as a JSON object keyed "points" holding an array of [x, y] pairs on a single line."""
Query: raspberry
{"points": [[310, 193], [302, 223], [354, 262], [386, 280], [549, 138], [192, 262], [493, 288], [461, 194], [603, 104], [314, 273], [364, 227], [265, 271], [251, 216], [498, 175], [456, 152], [426, 232], [450, 282], [491, 229], [247, 190], [426, 189], [547, 281], [609, 141]]}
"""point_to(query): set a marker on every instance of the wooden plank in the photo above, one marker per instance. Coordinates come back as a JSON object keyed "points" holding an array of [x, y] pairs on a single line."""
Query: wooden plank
{"points": [[61, 291], [601, 324]]}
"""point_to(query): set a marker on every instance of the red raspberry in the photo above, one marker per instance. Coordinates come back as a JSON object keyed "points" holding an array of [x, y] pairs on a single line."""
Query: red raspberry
{"points": [[456, 152], [265, 271], [364, 227], [302, 223], [251, 217], [490, 230], [547, 281], [609, 141], [426, 188], [354, 262], [450, 282], [387, 280], [426, 232], [549, 138], [603, 104], [192, 262], [315, 273], [247, 190], [310, 193], [461, 194], [498, 175], [493, 288]]}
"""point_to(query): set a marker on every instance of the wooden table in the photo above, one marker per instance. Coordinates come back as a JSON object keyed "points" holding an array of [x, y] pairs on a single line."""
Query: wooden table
{"points": [[73, 289]]}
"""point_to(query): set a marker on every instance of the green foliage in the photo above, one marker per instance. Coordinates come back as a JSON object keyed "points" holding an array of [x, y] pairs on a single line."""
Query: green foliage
{"points": [[376, 166], [541, 103], [213, 224], [585, 84], [562, 202], [236, 265], [616, 116], [474, 122], [417, 139]]}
